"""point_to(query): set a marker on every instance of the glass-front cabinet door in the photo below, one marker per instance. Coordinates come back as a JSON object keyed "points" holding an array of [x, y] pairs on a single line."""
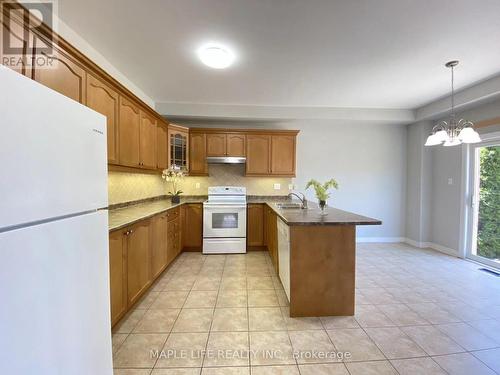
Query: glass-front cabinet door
{"points": [[178, 145]]}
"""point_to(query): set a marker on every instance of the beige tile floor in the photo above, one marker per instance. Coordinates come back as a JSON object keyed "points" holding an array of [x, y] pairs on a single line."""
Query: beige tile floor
{"points": [[417, 312]]}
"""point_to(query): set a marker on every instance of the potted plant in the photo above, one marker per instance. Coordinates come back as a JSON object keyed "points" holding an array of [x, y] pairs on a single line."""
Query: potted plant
{"points": [[321, 191], [174, 175]]}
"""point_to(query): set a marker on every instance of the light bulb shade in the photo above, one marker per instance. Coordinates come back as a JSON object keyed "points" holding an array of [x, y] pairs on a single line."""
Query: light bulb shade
{"points": [[452, 142], [432, 140], [469, 135], [442, 135]]}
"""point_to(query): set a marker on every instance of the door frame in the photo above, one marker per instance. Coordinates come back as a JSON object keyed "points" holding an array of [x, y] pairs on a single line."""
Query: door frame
{"points": [[471, 204]]}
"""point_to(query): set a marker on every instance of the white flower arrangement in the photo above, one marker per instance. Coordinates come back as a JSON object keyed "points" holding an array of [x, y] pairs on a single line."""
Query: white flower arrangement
{"points": [[174, 175]]}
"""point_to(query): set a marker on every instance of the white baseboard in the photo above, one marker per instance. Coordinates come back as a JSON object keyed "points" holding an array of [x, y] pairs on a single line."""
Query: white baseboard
{"points": [[380, 239], [432, 245], [409, 241]]}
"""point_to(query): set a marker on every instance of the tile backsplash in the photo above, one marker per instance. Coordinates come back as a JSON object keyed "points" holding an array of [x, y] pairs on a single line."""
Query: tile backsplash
{"points": [[125, 187]]}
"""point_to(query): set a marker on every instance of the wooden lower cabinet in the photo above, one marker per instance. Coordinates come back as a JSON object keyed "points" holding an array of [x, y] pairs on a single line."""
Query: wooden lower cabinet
{"points": [[138, 255], [159, 259], [138, 260], [193, 226], [117, 275], [255, 225]]}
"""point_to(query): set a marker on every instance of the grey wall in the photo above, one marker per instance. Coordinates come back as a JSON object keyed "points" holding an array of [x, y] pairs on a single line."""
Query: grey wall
{"points": [[433, 213], [367, 159]]}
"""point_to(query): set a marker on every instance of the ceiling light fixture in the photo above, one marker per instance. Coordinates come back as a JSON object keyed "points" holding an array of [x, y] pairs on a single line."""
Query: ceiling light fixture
{"points": [[452, 132], [216, 56]]}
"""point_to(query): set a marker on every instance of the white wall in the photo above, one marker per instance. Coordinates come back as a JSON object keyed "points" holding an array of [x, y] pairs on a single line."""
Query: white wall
{"points": [[367, 159], [429, 171]]}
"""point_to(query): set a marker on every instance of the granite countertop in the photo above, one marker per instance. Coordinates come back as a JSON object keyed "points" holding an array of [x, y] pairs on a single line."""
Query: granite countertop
{"points": [[119, 218], [124, 216], [312, 216]]}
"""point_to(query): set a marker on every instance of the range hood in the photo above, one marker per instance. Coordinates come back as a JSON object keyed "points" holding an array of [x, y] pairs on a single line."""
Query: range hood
{"points": [[226, 160]]}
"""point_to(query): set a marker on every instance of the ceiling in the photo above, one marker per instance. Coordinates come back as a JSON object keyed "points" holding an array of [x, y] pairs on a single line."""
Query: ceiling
{"points": [[358, 54]]}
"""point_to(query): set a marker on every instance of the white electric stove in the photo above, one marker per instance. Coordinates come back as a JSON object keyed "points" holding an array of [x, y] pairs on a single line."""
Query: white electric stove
{"points": [[225, 220]]}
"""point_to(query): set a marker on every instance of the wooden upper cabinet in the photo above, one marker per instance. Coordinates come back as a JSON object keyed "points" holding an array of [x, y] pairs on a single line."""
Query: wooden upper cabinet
{"points": [[129, 131], [59, 72], [103, 99], [178, 145], [117, 275], [258, 154], [138, 260], [216, 144], [236, 145], [198, 155], [283, 155], [162, 146], [255, 224], [20, 39], [147, 138]]}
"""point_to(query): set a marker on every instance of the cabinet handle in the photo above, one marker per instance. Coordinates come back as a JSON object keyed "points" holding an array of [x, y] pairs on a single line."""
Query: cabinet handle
{"points": [[131, 231]]}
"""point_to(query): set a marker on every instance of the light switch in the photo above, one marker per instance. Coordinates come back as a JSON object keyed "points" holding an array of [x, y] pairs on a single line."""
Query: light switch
{"points": [[450, 181], [277, 186], [197, 185]]}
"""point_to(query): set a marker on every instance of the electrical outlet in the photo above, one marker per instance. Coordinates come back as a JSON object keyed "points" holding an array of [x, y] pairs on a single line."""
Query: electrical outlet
{"points": [[450, 181], [197, 185], [277, 186], [290, 186]]}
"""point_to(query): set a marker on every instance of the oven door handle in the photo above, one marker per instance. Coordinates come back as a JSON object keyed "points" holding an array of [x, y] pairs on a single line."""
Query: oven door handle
{"points": [[224, 206]]}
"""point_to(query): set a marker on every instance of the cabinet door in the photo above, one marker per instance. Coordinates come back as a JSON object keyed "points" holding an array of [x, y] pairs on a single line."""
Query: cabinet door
{"points": [[258, 154], [177, 236], [59, 72], [103, 99], [283, 155], [216, 145], [159, 245], [236, 145], [255, 220], [138, 260], [129, 131], [117, 275], [20, 39], [179, 148], [171, 249], [193, 226], [198, 156], [147, 149], [161, 147]]}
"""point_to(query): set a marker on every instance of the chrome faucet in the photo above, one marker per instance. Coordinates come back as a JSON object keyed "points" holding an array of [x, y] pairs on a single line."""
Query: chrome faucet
{"points": [[303, 200]]}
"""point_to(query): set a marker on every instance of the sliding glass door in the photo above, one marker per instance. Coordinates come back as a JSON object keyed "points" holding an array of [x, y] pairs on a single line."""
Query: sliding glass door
{"points": [[484, 243]]}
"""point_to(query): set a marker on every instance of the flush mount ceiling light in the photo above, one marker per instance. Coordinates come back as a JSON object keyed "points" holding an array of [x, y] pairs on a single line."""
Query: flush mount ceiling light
{"points": [[452, 132], [216, 56]]}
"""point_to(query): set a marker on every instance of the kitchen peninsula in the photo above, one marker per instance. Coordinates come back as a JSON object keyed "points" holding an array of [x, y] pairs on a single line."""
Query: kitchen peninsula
{"points": [[316, 259]]}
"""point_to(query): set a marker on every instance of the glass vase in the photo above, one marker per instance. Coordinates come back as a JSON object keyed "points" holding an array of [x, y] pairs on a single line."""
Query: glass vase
{"points": [[322, 207]]}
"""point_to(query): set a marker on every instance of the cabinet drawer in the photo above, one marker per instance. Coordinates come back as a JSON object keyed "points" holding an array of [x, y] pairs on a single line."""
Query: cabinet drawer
{"points": [[173, 214]]}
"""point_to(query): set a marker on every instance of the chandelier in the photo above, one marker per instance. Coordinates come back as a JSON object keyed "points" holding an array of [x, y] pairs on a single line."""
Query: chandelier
{"points": [[452, 132]]}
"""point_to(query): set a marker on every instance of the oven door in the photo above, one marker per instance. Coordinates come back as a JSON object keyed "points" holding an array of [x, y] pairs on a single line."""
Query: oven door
{"points": [[229, 221]]}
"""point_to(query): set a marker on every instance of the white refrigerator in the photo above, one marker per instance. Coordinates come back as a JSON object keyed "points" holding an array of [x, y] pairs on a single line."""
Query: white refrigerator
{"points": [[54, 269]]}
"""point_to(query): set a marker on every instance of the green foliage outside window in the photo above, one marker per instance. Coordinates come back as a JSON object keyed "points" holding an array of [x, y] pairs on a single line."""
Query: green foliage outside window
{"points": [[488, 235]]}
